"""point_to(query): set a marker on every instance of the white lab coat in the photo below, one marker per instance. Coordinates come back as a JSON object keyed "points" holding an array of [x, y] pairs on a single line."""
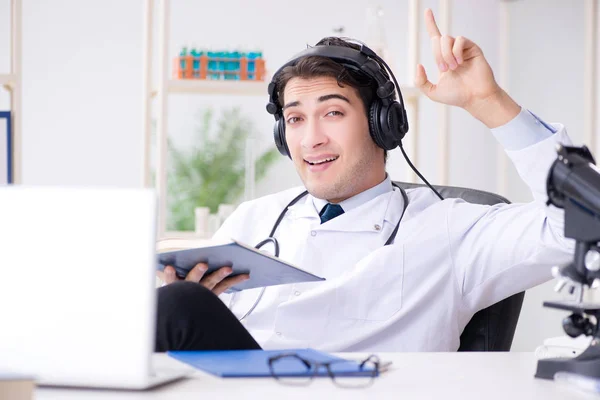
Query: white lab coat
{"points": [[449, 260]]}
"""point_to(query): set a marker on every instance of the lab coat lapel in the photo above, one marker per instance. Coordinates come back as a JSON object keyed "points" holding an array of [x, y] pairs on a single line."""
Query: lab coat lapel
{"points": [[305, 208]]}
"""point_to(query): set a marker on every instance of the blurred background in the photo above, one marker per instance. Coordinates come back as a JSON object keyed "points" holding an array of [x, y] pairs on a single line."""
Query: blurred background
{"points": [[87, 117]]}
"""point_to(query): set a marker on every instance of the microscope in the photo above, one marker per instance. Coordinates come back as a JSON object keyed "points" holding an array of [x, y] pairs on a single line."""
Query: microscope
{"points": [[574, 185]]}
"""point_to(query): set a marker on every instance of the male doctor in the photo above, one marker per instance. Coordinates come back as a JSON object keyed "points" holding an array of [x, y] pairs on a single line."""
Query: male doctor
{"points": [[405, 271]]}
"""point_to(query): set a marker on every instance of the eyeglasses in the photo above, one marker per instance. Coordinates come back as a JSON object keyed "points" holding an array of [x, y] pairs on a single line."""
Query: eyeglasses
{"points": [[343, 372]]}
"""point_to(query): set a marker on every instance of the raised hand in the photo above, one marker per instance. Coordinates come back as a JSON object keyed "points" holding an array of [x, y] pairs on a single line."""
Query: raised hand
{"points": [[466, 79]]}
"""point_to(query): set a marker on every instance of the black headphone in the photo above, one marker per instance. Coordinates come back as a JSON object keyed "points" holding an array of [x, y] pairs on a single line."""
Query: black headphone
{"points": [[387, 117]]}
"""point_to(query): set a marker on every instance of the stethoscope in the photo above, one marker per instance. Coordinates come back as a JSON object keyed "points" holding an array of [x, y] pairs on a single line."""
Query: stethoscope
{"points": [[271, 239]]}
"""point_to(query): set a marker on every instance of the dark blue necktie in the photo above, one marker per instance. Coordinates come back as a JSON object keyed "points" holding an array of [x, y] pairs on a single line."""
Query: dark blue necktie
{"points": [[330, 211]]}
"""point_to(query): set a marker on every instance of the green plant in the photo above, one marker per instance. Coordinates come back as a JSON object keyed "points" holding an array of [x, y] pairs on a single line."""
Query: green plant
{"points": [[212, 170]]}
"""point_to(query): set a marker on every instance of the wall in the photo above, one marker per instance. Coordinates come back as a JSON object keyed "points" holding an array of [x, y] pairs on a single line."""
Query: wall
{"points": [[4, 49], [546, 76], [82, 90], [82, 70]]}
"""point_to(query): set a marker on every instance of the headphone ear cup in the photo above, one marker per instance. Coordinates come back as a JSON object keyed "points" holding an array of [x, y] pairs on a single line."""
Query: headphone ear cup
{"points": [[279, 136], [388, 124], [397, 121], [374, 127], [382, 121]]}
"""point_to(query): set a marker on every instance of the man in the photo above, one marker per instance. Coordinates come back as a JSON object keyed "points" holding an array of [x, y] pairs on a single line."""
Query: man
{"points": [[445, 259]]}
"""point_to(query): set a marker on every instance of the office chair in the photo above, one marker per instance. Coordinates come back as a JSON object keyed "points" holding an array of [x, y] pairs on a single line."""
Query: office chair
{"points": [[493, 328]]}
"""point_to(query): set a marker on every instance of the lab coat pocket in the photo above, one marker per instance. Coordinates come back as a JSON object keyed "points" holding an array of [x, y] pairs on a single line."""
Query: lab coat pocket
{"points": [[372, 290]]}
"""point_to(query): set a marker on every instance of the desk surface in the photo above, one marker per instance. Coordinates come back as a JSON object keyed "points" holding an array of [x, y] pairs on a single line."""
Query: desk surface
{"points": [[461, 376]]}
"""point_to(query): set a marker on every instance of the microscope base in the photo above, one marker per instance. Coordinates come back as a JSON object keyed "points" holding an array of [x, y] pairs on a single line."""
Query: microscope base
{"points": [[587, 363]]}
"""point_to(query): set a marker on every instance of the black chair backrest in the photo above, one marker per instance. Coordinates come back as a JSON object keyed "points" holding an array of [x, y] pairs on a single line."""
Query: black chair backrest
{"points": [[493, 328]]}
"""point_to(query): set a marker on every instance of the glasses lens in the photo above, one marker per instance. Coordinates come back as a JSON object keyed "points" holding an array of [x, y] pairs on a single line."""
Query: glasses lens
{"points": [[352, 377], [291, 370]]}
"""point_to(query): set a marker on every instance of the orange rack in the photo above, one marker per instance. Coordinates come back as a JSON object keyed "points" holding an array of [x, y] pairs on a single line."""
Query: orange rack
{"points": [[183, 68]]}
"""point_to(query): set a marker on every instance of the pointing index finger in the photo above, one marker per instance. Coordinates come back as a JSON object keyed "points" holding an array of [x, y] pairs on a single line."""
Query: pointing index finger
{"points": [[432, 27]]}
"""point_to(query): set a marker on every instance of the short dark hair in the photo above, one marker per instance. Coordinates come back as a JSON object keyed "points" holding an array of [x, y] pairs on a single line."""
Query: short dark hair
{"points": [[318, 66]]}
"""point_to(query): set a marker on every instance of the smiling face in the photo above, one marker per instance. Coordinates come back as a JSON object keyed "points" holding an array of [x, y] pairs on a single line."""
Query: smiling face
{"points": [[327, 133]]}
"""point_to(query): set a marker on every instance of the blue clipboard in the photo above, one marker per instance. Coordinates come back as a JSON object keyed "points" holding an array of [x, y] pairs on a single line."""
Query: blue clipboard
{"points": [[6, 174], [254, 363]]}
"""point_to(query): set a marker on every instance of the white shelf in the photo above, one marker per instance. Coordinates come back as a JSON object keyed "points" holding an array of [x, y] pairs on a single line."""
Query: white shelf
{"points": [[222, 87], [7, 79]]}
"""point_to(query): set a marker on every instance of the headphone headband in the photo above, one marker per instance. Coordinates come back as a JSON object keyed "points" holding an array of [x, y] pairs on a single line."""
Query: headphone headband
{"points": [[363, 60]]}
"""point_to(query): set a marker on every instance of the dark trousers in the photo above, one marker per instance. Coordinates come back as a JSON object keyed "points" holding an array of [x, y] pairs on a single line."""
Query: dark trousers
{"points": [[191, 317]]}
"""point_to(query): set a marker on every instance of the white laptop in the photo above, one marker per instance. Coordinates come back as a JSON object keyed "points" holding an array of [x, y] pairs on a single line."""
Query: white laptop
{"points": [[77, 286]]}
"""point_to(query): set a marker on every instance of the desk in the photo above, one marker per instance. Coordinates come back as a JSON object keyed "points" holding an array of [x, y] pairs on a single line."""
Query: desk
{"points": [[464, 376]]}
